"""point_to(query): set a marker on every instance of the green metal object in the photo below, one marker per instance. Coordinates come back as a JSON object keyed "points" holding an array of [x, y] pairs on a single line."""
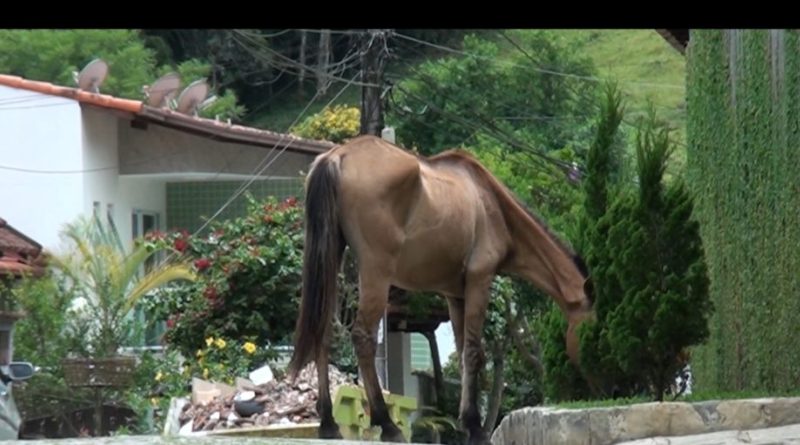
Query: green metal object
{"points": [[351, 412]]}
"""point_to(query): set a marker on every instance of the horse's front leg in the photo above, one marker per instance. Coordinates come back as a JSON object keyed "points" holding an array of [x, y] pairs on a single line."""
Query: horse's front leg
{"points": [[476, 302], [373, 297]]}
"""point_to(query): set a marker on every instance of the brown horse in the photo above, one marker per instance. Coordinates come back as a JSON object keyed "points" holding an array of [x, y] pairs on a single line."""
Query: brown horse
{"points": [[442, 224]]}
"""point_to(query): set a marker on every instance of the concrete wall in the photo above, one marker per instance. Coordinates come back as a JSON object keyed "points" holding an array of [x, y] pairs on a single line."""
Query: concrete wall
{"points": [[159, 150]]}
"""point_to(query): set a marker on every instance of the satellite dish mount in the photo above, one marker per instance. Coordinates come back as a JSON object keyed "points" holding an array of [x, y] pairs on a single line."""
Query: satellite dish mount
{"points": [[92, 76], [192, 97], [163, 90]]}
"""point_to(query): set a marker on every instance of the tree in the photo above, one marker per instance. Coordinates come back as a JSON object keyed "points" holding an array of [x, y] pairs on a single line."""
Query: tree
{"points": [[456, 100], [656, 278]]}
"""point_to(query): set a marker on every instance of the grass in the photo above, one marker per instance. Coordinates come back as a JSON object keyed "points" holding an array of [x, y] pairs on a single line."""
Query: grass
{"points": [[697, 396]]}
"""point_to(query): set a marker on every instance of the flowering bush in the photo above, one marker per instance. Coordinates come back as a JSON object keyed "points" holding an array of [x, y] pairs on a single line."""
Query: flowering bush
{"points": [[223, 360], [249, 277], [335, 124]]}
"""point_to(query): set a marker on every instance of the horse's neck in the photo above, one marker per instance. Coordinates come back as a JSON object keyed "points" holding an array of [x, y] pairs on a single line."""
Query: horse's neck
{"points": [[540, 259]]}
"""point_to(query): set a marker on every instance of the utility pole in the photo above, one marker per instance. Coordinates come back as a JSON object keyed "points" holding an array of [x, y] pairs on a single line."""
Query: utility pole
{"points": [[373, 62]]}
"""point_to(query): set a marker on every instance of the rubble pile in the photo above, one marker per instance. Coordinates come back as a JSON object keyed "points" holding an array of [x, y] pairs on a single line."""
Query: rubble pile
{"points": [[272, 403]]}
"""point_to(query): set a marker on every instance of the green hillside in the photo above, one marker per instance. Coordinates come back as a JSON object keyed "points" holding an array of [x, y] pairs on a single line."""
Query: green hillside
{"points": [[646, 66]]}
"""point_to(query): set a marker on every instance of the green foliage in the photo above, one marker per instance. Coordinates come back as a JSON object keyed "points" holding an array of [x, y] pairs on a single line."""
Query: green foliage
{"points": [[39, 336], [451, 102], [249, 276], [603, 161], [53, 56], [647, 270], [107, 282], [335, 124], [658, 276], [561, 380], [742, 89]]}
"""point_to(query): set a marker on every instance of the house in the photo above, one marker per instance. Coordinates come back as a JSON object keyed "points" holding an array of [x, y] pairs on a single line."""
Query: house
{"points": [[67, 152]]}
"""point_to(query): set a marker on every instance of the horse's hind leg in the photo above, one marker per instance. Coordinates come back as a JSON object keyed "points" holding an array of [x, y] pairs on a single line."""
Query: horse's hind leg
{"points": [[328, 429], [373, 297]]}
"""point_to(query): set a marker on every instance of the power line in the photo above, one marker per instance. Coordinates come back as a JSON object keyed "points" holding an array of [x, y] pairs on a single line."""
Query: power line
{"points": [[259, 49], [534, 68], [260, 170]]}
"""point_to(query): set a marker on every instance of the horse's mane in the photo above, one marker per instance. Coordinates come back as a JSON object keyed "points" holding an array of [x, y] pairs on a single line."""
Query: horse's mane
{"points": [[508, 199]]}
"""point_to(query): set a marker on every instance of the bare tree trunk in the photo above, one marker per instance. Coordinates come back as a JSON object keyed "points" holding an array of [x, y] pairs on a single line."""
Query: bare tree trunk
{"points": [[438, 375], [519, 342], [323, 60], [302, 75], [498, 384]]}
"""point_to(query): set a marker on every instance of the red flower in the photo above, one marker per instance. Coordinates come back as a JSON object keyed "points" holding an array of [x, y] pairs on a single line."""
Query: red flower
{"points": [[181, 245], [210, 293], [202, 264], [170, 323], [291, 201]]}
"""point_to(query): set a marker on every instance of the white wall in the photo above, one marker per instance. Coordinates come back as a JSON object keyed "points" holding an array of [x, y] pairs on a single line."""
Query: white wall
{"points": [[39, 132], [100, 160], [141, 193]]}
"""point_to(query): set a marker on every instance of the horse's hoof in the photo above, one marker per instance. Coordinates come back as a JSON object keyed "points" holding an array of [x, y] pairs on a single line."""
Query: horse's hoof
{"points": [[392, 434], [330, 432]]}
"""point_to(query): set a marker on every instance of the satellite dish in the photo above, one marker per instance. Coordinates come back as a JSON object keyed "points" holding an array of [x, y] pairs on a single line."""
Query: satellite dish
{"points": [[161, 92], [190, 99], [92, 76]]}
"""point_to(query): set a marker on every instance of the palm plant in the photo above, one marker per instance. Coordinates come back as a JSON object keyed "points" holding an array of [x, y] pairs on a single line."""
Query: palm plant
{"points": [[108, 282]]}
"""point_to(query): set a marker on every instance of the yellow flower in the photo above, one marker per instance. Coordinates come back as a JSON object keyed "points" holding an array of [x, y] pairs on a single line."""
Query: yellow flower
{"points": [[220, 343], [199, 353], [249, 347], [154, 401], [209, 340], [205, 373], [159, 376]]}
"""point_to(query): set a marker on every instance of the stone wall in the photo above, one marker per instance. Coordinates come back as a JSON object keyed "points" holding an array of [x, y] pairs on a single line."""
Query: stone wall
{"points": [[601, 426]]}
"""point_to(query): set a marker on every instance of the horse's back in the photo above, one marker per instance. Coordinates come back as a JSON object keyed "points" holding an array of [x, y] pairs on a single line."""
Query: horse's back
{"points": [[420, 216]]}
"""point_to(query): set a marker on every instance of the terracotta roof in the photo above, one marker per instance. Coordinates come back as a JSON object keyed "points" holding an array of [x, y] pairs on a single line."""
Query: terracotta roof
{"points": [[169, 118], [18, 253], [101, 100]]}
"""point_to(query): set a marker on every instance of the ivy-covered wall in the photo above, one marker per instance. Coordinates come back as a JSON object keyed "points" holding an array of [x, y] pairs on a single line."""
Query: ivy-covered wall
{"points": [[743, 155]]}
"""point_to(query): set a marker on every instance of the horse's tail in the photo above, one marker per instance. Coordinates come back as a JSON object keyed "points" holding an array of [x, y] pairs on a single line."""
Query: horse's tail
{"points": [[322, 256]]}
